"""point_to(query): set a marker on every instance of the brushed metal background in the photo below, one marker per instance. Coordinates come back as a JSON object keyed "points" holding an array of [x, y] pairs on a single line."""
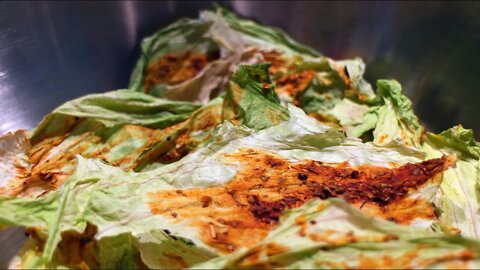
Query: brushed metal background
{"points": [[51, 52]]}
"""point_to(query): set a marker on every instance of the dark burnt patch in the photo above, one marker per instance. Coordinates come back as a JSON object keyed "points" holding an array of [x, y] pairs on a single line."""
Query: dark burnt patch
{"points": [[250, 205]]}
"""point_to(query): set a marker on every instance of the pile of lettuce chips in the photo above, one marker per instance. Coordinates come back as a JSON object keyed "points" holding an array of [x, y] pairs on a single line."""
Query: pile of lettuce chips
{"points": [[237, 147]]}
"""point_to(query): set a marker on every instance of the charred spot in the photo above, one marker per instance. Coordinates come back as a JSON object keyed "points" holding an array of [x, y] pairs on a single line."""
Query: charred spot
{"points": [[206, 201], [273, 162], [302, 176], [392, 219], [381, 201], [270, 211], [171, 58], [267, 212], [84, 240], [167, 232], [355, 174], [198, 63], [257, 186], [213, 55], [345, 70], [163, 71], [173, 155], [322, 192], [290, 201]]}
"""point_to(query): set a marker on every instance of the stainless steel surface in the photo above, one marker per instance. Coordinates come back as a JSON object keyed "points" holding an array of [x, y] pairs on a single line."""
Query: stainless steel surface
{"points": [[51, 52]]}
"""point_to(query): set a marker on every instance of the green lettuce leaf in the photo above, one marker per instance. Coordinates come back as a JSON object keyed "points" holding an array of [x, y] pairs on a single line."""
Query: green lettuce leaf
{"points": [[132, 130], [355, 118], [334, 86], [240, 41], [85, 199], [247, 102], [458, 200], [117, 203], [191, 59], [251, 99], [397, 121], [115, 126], [90, 179], [332, 234], [114, 108]]}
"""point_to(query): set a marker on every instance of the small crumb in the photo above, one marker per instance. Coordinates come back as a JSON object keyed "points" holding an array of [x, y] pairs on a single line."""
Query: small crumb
{"points": [[230, 247], [213, 233]]}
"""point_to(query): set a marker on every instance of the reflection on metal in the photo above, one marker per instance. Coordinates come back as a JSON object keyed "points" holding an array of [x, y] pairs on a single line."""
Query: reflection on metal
{"points": [[51, 52]]}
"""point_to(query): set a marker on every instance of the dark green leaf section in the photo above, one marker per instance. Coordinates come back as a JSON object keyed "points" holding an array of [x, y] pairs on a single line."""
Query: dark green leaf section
{"points": [[251, 99], [459, 139]]}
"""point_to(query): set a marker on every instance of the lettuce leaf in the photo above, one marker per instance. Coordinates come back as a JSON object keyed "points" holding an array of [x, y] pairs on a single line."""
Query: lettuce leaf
{"points": [[267, 36], [115, 126], [134, 131], [247, 102], [302, 75], [129, 180], [114, 108], [355, 118], [332, 234], [397, 121], [191, 59], [118, 203], [458, 200], [322, 87], [14, 162], [251, 99]]}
